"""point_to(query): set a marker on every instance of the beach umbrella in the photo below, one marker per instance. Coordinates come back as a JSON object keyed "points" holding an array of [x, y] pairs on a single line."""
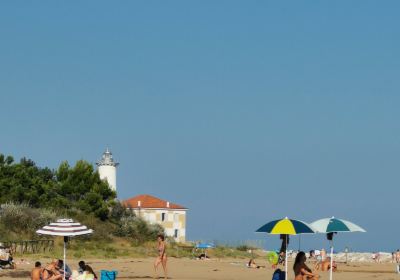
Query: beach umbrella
{"points": [[66, 228], [331, 226], [287, 227], [205, 246]]}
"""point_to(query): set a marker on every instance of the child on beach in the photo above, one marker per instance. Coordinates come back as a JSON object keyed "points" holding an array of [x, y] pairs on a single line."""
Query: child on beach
{"points": [[83, 267], [36, 273]]}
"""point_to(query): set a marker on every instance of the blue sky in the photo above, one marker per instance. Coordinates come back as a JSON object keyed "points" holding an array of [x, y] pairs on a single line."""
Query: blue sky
{"points": [[243, 111]]}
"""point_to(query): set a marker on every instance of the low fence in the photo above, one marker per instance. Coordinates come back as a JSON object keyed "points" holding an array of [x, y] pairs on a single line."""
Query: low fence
{"points": [[30, 246]]}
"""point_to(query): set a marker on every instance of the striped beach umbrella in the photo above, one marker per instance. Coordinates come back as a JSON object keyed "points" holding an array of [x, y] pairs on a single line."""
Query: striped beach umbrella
{"points": [[66, 228], [287, 227], [331, 226]]}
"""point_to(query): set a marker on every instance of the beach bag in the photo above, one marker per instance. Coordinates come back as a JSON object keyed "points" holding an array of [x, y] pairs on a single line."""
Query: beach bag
{"points": [[108, 275], [278, 275]]}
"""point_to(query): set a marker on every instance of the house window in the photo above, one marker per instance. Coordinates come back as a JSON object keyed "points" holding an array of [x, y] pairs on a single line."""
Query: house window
{"points": [[176, 233], [162, 217]]}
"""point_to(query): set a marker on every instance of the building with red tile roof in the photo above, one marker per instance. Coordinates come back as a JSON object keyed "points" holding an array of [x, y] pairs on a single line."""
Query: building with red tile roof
{"points": [[150, 202], [171, 216]]}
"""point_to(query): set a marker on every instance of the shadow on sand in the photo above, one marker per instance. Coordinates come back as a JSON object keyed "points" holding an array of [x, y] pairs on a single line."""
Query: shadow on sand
{"points": [[15, 274]]}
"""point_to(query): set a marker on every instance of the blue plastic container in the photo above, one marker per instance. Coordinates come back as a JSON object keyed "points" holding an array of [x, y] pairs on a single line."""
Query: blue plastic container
{"points": [[108, 275]]}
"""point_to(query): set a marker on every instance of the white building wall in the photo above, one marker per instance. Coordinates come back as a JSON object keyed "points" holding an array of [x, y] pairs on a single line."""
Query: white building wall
{"points": [[174, 220]]}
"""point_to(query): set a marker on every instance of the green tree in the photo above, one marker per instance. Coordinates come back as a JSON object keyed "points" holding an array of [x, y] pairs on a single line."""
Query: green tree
{"points": [[68, 187]]}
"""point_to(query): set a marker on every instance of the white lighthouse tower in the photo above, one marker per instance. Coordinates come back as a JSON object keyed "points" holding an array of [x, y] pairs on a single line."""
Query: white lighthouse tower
{"points": [[108, 169]]}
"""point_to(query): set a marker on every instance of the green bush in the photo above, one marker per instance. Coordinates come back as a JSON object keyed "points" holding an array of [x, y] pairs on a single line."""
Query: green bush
{"points": [[20, 218], [245, 248], [137, 229]]}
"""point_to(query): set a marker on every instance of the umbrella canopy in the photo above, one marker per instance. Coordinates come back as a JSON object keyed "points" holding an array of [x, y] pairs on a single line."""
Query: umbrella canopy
{"points": [[329, 225], [286, 226], [204, 246], [66, 228]]}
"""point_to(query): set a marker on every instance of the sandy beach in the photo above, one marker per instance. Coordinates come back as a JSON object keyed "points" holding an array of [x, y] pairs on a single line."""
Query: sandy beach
{"points": [[223, 269]]}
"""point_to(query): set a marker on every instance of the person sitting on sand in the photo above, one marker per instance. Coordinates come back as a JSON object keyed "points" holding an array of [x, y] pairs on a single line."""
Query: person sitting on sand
{"points": [[376, 257], [203, 257], [325, 265], [6, 258], [52, 272], [36, 273], [68, 271], [301, 270], [323, 254], [312, 254], [86, 268], [252, 264]]}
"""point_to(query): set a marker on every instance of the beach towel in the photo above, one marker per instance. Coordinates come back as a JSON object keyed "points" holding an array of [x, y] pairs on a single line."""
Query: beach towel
{"points": [[81, 276]]}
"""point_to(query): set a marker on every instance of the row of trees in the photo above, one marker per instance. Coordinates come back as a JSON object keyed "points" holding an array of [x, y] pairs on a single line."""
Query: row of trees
{"points": [[31, 196], [77, 187]]}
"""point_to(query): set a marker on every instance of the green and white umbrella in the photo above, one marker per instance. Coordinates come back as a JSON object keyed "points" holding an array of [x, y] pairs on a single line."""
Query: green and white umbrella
{"points": [[331, 226]]}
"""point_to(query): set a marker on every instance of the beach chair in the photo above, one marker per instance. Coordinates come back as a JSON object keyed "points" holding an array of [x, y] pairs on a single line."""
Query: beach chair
{"points": [[6, 260]]}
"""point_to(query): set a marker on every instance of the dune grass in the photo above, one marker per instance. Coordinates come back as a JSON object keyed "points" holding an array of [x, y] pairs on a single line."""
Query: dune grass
{"points": [[122, 248]]}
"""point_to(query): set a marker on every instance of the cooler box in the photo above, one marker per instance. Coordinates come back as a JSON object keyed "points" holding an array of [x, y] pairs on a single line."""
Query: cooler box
{"points": [[108, 275]]}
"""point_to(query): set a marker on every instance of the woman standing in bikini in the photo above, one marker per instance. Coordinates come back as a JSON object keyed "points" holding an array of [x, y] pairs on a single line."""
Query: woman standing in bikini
{"points": [[301, 270], [162, 256]]}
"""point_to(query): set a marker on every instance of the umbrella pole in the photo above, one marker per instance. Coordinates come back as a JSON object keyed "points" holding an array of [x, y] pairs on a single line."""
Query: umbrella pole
{"points": [[331, 270], [299, 242], [286, 258], [64, 255]]}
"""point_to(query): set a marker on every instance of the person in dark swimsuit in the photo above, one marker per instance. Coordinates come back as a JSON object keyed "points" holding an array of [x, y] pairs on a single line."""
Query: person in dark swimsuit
{"points": [[162, 256], [301, 270]]}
